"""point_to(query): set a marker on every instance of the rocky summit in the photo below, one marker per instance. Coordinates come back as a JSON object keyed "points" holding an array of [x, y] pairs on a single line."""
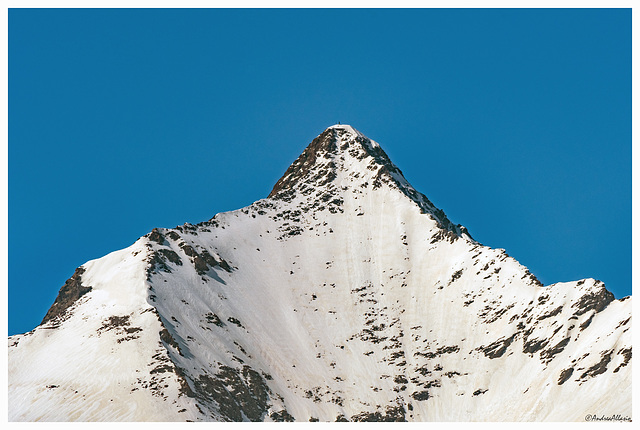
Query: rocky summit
{"points": [[345, 295]]}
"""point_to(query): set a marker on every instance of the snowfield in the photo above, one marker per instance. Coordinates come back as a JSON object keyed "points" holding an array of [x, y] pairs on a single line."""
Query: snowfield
{"points": [[344, 295]]}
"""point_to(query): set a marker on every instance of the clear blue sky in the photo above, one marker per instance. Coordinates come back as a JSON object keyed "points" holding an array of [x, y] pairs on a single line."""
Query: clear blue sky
{"points": [[517, 123]]}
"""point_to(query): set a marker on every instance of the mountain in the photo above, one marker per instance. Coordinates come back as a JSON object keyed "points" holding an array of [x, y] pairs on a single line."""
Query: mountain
{"points": [[344, 295]]}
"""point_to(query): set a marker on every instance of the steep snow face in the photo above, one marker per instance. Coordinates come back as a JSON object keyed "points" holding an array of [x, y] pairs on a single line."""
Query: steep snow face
{"points": [[101, 359], [345, 295]]}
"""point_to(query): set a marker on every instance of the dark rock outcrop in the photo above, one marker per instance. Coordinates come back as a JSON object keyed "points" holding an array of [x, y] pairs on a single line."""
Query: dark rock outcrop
{"points": [[70, 292]]}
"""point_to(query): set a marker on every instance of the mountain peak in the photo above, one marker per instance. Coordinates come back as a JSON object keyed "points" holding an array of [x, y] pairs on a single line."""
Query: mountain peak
{"points": [[345, 296], [343, 127], [340, 150], [346, 130], [342, 159]]}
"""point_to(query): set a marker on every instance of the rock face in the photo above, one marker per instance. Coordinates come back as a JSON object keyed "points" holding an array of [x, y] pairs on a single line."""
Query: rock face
{"points": [[346, 295]]}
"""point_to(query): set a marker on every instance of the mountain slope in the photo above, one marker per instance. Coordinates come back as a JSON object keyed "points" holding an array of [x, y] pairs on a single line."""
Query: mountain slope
{"points": [[345, 295]]}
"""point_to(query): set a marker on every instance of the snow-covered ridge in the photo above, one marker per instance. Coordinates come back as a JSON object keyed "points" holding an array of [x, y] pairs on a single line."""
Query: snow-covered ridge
{"points": [[344, 295]]}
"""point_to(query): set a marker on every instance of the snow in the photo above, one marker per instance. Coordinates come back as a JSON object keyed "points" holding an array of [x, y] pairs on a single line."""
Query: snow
{"points": [[363, 307], [81, 372]]}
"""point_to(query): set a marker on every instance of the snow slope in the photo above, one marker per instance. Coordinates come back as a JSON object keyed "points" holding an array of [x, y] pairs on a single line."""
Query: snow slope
{"points": [[344, 295]]}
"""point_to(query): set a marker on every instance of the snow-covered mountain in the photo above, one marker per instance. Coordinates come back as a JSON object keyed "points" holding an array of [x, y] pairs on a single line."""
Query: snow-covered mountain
{"points": [[344, 295]]}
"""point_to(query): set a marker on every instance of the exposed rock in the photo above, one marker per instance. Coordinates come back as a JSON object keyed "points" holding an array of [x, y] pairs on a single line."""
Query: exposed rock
{"points": [[596, 300], [281, 416], [565, 375], [156, 236], [599, 367], [547, 355], [214, 319], [498, 348], [420, 395], [391, 414], [238, 393], [321, 146], [70, 292], [626, 353]]}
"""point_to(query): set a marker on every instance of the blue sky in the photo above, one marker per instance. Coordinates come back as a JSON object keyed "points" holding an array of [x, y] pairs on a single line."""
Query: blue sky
{"points": [[517, 123]]}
